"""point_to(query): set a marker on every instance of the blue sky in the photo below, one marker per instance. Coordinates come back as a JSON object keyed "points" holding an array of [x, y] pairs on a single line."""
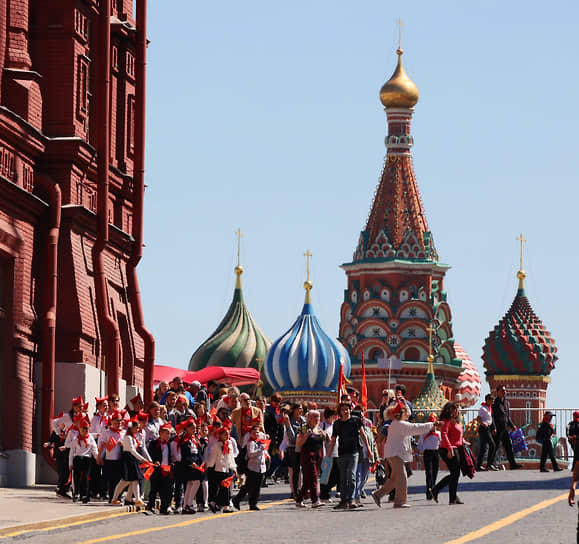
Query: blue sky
{"points": [[266, 116]]}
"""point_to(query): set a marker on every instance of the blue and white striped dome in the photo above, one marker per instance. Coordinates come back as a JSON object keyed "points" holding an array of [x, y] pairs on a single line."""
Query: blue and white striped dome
{"points": [[305, 358]]}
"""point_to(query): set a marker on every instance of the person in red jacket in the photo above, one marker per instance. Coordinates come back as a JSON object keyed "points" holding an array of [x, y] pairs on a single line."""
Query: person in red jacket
{"points": [[450, 441]]}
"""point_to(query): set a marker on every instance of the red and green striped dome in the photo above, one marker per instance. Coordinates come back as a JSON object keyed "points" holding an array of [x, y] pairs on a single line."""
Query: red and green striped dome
{"points": [[519, 344]]}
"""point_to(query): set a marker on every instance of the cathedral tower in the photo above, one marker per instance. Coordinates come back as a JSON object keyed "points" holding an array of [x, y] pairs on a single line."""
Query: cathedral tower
{"points": [[395, 280], [520, 354]]}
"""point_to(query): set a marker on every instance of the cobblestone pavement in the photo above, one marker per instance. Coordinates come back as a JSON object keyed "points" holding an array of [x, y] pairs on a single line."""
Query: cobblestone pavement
{"points": [[492, 500]]}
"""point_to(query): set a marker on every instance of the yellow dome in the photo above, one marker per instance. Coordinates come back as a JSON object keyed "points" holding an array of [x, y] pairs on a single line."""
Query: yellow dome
{"points": [[399, 91]]}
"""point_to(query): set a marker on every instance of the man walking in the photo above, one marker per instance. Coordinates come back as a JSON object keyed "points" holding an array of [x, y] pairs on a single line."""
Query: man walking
{"points": [[502, 421], [348, 430]]}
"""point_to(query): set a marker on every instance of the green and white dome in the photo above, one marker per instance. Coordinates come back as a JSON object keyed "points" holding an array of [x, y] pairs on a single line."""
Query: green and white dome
{"points": [[237, 341]]}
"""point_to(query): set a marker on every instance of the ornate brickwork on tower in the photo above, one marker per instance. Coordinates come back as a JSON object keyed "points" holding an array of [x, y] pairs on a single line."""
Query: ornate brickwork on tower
{"points": [[395, 280], [520, 353]]}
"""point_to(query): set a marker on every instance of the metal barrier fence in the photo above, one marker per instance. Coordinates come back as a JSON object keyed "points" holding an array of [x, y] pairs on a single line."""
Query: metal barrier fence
{"points": [[528, 419]]}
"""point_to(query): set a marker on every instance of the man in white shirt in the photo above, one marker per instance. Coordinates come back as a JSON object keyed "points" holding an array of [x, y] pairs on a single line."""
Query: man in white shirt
{"points": [[485, 433]]}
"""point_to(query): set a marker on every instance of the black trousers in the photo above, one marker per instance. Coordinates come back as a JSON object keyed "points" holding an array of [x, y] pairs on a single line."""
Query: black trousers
{"points": [[251, 487], [162, 486], [293, 461], [112, 475], [450, 480], [431, 464], [222, 494], [503, 437], [80, 472], [547, 451], [333, 481], [62, 468], [486, 439]]}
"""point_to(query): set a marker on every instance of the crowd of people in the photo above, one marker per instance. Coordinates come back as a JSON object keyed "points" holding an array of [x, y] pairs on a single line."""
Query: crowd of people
{"points": [[198, 448]]}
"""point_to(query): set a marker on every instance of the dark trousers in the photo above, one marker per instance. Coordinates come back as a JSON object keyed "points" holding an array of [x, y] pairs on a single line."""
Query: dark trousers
{"points": [[431, 464], [251, 487], [547, 450], [485, 439], [62, 468], [162, 486], [212, 484], [80, 473], [503, 437], [112, 475], [310, 461], [222, 494], [293, 460], [98, 484], [178, 489], [450, 480], [332, 481]]}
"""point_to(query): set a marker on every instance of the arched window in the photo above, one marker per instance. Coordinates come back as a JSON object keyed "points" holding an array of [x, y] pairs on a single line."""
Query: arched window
{"points": [[412, 354]]}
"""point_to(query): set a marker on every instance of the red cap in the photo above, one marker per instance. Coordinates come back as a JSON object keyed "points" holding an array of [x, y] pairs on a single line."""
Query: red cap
{"points": [[136, 398], [84, 422], [116, 415], [101, 399], [85, 407], [575, 415], [432, 417], [77, 400], [399, 407], [142, 416], [167, 426], [185, 424]]}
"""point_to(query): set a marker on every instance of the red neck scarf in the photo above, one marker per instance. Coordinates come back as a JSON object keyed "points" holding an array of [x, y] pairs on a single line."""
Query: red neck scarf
{"points": [[226, 447], [83, 439]]}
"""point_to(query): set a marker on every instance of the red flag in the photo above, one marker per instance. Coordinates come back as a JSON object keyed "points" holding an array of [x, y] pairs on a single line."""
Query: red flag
{"points": [[340, 384], [364, 397], [148, 468], [228, 481]]}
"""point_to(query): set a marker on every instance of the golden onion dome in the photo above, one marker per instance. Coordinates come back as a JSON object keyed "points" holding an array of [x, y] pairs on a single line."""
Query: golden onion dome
{"points": [[399, 91]]}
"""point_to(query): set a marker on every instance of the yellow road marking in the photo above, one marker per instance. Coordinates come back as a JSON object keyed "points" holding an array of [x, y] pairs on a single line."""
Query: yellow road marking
{"points": [[178, 525], [44, 527], [507, 521]]}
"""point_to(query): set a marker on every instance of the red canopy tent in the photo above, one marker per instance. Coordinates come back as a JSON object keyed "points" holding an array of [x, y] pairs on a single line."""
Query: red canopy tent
{"points": [[225, 374]]}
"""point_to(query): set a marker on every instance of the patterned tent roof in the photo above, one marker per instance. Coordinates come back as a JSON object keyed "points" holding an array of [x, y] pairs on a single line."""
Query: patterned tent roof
{"points": [[519, 344], [237, 341], [469, 379], [305, 358], [430, 399]]}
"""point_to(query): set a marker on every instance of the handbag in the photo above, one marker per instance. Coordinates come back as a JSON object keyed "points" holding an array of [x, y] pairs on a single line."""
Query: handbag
{"points": [[326, 468], [518, 440]]}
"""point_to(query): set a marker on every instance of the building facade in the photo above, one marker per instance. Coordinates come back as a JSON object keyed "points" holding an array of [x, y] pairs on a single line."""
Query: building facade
{"points": [[72, 105]]}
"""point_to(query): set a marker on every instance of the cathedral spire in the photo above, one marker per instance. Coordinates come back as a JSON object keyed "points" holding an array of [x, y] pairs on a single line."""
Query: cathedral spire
{"points": [[521, 273], [308, 285], [396, 228]]}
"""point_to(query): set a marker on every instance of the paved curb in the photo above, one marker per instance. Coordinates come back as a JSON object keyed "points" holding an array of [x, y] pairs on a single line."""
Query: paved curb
{"points": [[93, 516]]}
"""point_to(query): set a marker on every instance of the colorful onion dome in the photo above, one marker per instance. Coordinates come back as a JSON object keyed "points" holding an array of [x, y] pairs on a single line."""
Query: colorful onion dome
{"points": [[519, 344], [399, 91], [305, 358], [469, 382], [237, 341], [430, 399]]}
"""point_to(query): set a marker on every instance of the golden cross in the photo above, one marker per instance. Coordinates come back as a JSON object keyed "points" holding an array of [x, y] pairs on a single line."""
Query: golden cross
{"points": [[430, 330], [522, 240], [239, 235], [308, 255], [400, 25]]}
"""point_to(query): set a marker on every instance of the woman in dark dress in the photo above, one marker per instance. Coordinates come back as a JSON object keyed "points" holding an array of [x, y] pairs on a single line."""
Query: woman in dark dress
{"points": [[134, 453], [311, 442], [190, 465]]}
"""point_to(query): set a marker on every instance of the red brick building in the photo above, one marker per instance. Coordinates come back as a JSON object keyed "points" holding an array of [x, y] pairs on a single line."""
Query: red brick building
{"points": [[72, 103]]}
